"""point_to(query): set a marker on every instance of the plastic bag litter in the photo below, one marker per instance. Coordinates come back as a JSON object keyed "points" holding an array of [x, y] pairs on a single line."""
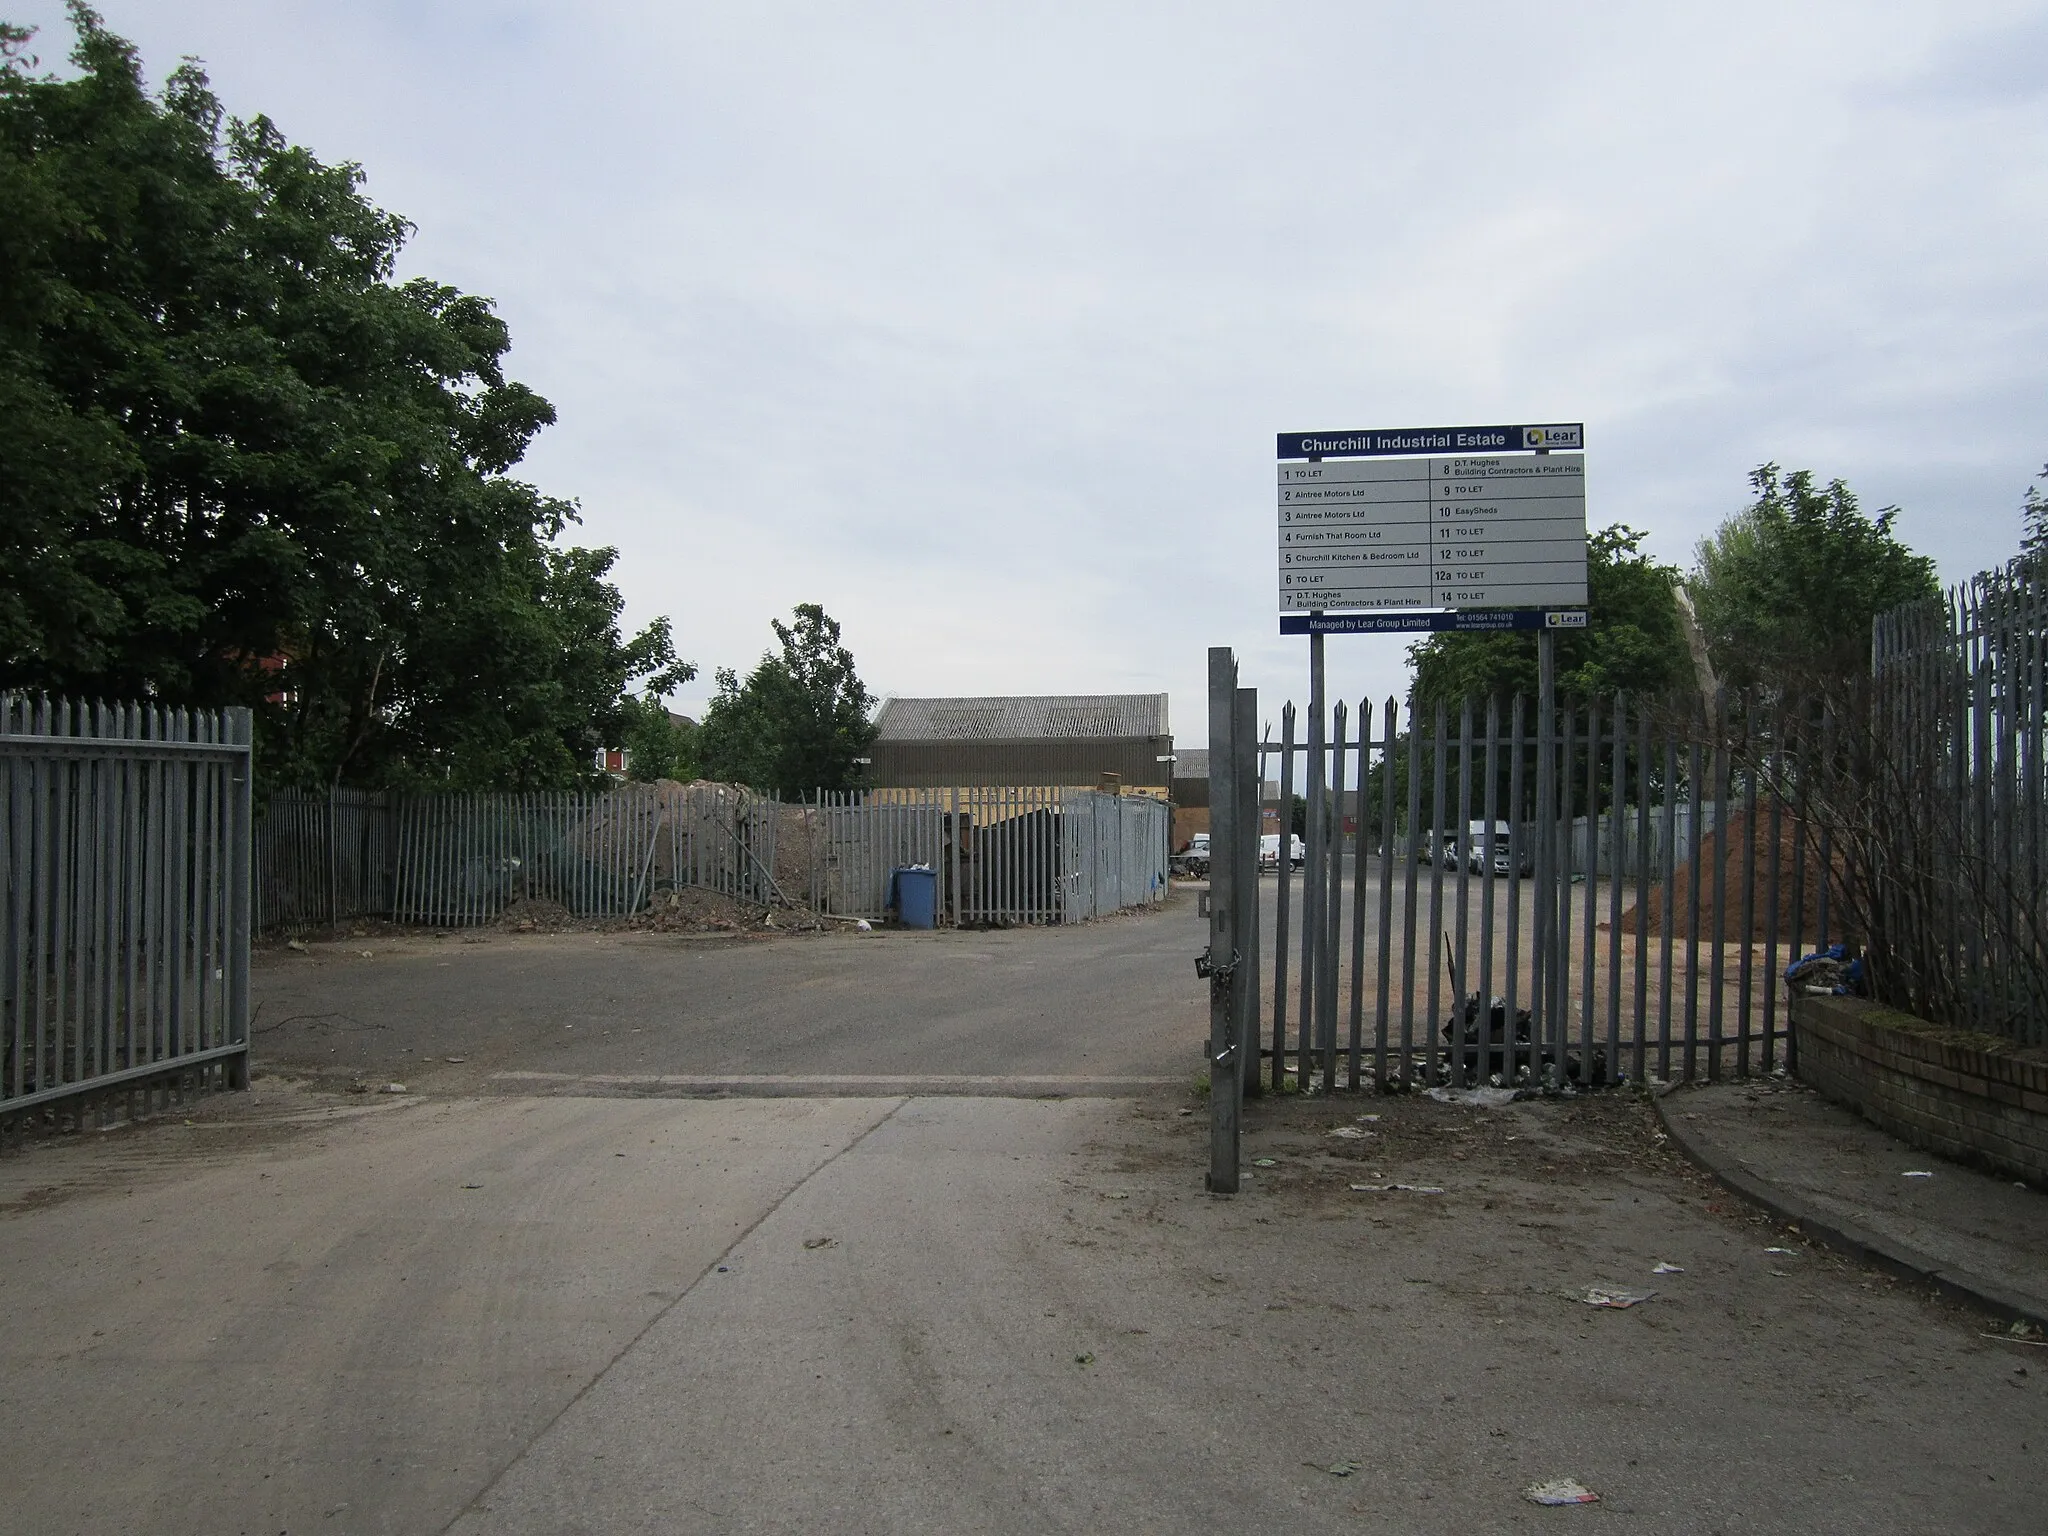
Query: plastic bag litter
{"points": [[1478, 1098], [1413, 1189], [1917, 1173], [1560, 1490], [1619, 1301], [1265, 1162], [865, 926], [1667, 1269], [1349, 1132], [1830, 970]]}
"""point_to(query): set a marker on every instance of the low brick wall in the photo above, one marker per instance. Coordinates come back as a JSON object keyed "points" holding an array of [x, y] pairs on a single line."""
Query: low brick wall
{"points": [[1970, 1097]]}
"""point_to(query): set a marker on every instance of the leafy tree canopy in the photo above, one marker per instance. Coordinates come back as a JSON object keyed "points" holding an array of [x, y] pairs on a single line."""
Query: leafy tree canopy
{"points": [[241, 463], [1786, 589], [658, 745], [799, 722], [1632, 640]]}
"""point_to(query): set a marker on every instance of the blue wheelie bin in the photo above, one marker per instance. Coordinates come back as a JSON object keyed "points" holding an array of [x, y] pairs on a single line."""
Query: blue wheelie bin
{"points": [[914, 893]]}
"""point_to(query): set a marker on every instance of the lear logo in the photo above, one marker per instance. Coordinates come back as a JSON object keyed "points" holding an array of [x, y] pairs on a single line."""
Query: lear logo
{"points": [[1565, 620], [1552, 437]]}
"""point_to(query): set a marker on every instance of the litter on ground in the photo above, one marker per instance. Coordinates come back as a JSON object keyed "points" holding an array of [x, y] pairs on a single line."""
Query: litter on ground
{"points": [[1560, 1490], [1349, 1132], [1413, 1189], [1619, 1301], [1917, 1173], [1479, 1098], [1668, 1269]]}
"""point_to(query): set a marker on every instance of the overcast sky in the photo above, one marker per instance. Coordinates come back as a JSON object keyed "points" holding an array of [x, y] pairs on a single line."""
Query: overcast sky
{"points": [[975, 323]]}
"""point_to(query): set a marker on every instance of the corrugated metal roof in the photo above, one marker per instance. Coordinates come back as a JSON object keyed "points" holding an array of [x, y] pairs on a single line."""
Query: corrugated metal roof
{"points": [[1091, 716], [1191, 762]]}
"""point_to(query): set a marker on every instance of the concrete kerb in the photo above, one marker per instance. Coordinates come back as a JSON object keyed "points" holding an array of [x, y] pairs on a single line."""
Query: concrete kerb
{"points": [[1845, 1237]]}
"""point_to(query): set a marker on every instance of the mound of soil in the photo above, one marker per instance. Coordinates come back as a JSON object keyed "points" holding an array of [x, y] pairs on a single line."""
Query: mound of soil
{"points": [[692, 909], [1729, 850]]}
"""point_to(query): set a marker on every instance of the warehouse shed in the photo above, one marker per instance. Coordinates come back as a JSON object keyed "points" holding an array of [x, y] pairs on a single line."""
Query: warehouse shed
{"points": [[1050, 740]]}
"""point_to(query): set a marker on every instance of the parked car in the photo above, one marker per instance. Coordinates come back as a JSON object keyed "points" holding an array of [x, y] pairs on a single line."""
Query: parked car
{"points": [[1269, 851], [1192, 862], [1507, 862]]}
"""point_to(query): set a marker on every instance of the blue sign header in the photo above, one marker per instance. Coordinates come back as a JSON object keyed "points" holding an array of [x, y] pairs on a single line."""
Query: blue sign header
{"points": [[1376, 443], [1422, 623]]}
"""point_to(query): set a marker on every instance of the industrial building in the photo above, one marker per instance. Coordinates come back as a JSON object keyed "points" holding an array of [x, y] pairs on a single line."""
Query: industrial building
{"points": [[1093, 741]]}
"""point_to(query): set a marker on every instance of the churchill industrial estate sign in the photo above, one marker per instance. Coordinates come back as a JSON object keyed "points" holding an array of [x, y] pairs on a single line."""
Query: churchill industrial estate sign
{"points": [[1433, 528]]}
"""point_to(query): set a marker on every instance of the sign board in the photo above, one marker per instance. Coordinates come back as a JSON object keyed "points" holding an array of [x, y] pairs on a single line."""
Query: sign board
{"points": [[1409, 441], [1381, 524]]}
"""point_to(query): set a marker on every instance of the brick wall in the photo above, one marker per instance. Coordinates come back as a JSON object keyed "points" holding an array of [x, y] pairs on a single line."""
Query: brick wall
{"points": [[1970, 1097]]}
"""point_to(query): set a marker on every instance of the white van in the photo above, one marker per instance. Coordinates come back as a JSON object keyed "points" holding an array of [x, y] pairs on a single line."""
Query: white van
{"points": [[1269, 851]]}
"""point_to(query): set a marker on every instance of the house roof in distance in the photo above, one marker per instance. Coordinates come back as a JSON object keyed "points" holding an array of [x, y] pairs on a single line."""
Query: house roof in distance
{"points": [[1026, 717], [1191, 762]]}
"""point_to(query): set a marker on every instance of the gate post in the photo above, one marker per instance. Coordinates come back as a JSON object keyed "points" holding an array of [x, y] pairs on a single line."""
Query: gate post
{"points": [[1247, 766], [240, 878], [1220, 962]]}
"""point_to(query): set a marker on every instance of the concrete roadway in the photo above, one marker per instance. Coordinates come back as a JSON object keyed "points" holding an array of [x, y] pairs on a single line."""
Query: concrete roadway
{"points": [[469, 1308]]}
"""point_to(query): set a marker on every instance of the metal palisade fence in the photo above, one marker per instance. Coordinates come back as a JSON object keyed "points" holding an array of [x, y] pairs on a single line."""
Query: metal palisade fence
{"points": [[456, 860], [124, 919], [1935, 788], [1002, 855], [1500, 895]]}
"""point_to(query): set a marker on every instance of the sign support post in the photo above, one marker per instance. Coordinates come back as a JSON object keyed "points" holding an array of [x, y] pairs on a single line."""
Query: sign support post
{"points": [[1313, 880]]}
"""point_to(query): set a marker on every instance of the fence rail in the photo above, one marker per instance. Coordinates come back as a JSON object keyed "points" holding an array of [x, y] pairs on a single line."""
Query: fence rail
{"points": [[124, 922]]}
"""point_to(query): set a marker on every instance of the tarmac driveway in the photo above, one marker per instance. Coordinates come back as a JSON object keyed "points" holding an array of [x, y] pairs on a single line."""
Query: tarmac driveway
{"points": [[1110, 1006]]}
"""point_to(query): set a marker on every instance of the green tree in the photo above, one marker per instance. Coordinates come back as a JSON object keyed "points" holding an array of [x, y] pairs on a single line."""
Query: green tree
{"points": [[1786, 589], [658, 745], [1632, 640], [240, 463], [799, 722]]}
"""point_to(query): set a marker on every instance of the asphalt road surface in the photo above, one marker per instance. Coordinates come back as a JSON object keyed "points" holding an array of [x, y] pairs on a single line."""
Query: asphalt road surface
{"points": [[1110, 1006]]}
